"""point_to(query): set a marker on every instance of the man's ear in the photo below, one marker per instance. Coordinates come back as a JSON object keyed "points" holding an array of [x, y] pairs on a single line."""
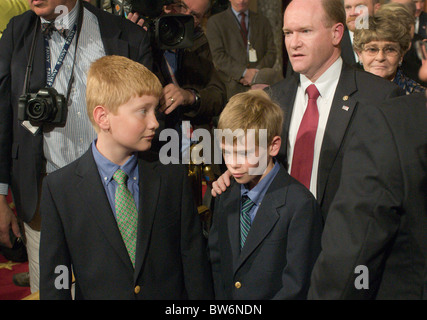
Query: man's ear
{"points": [[101, 118], [338, 32], [274, 147]]}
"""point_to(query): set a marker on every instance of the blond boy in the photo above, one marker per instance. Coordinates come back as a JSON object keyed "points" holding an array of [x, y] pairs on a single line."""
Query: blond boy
{"points": [[266, 229], [115, 217]]}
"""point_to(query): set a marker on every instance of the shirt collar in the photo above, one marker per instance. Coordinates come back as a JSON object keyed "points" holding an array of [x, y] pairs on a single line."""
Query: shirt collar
{"points": [[237, 13], [107, 168], [66, 21], [325, 81], [256, 194]]}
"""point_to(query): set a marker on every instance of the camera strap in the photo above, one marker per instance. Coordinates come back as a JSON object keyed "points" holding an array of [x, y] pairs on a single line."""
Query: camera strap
{"points": [[51, 75]]}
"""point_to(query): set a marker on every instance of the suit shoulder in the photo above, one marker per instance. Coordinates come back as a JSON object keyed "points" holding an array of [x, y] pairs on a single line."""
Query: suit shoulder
{"points": [[374, 84], [131, 29], [294, 189], [23, 21], [170, 170], [218, 18], [62, 176]]}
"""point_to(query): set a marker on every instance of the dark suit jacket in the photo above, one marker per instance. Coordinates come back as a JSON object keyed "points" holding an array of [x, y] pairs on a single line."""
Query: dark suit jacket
{"points": [[354, 88], [21, 153], [347, 52], [229, 52], [422, 29], [379, 216], [280, 250], [79, 230]]}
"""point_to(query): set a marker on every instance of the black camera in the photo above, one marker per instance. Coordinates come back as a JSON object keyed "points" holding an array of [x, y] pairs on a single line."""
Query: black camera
{"points": [[46, 106], [170, 31]]}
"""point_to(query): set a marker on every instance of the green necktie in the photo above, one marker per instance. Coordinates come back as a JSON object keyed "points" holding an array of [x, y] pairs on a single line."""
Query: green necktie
{"points": [[245, 219], [126, 213]]}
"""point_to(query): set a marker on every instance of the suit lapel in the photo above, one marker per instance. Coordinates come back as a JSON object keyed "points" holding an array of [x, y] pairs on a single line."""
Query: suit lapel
{"points": [[234, 24], [92, 192], [38, 73], [342, 109], [149, 187], [233, 220], [265, 218]]}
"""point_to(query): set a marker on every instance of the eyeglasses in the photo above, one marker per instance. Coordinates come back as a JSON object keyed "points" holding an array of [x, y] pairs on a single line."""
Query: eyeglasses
{"points": [[181, 7], [389, 51], [421, 53]]}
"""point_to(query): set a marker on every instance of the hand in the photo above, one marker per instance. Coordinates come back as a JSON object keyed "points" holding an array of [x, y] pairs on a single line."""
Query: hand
{"points": [[173, 96], [134, 17], [221, 184], [7, 221], [249, 76], [259, 86]]}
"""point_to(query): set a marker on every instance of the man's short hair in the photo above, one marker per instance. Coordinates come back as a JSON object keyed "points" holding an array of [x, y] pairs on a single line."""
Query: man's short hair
{"points": [[253, 109], [335, 12], [114, 80]]}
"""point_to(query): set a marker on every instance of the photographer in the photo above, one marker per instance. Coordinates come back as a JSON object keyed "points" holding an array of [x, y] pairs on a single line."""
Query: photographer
{"points": [[192, 89], [55, 31]]}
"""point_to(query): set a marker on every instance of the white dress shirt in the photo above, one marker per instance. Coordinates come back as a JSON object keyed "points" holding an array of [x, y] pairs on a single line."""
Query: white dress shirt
{"points": [[326, 85], [63, 145]]}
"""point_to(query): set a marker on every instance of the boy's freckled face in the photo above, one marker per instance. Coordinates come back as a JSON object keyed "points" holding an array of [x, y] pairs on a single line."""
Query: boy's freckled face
{"points": [[134, 124]]}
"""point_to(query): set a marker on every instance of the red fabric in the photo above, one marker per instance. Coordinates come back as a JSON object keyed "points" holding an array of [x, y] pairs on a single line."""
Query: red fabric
{"points": [[302, 161], [8, 290]]}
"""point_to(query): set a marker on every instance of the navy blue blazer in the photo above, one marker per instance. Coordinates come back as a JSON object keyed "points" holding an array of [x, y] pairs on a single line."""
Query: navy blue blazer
{"points": [[79, 230], [280, 250]]}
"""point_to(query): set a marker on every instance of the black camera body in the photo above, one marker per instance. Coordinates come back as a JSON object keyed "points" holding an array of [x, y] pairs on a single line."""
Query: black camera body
{"points": [[46, 106], [167, 31]]}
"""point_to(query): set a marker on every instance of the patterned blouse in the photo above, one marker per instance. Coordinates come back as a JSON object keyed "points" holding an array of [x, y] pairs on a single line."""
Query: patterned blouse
{"points": [[407, 84]]}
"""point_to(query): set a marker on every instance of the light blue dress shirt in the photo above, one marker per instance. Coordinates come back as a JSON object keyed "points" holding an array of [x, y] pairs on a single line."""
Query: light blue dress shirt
{"points": [[106, 170], [257, 193]]}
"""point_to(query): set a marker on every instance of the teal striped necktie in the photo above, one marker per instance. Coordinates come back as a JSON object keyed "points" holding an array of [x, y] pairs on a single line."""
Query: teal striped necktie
{"points": [[245, 219]]}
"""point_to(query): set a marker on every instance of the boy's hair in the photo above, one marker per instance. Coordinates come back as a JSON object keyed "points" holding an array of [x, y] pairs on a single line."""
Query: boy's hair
{"points": [[114, 80], [252, 110]]}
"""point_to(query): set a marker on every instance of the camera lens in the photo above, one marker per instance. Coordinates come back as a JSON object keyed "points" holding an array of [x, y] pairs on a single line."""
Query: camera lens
{"points": [[171, 31], [36, 109]]}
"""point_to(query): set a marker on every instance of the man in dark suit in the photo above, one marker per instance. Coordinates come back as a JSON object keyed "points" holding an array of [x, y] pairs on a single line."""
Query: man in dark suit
{"points": [[374, 244], [420, 19], [240, 45], [317, 59], [315, 55], [28, 153]]}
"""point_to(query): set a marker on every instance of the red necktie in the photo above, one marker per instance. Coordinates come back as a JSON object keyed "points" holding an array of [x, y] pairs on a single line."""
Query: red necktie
{"points": [[243, 29], [302, 161]]}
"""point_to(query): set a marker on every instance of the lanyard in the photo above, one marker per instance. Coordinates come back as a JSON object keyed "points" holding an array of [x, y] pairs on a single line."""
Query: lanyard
{"points": [[50, 76]]}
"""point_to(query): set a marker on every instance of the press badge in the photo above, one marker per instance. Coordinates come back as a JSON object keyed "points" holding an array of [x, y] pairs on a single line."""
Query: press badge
{"points": [[252, 54]]}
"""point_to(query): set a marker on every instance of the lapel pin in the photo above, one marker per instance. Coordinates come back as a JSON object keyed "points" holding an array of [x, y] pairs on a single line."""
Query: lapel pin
{"points": [[345, 108], [345, 98]]}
